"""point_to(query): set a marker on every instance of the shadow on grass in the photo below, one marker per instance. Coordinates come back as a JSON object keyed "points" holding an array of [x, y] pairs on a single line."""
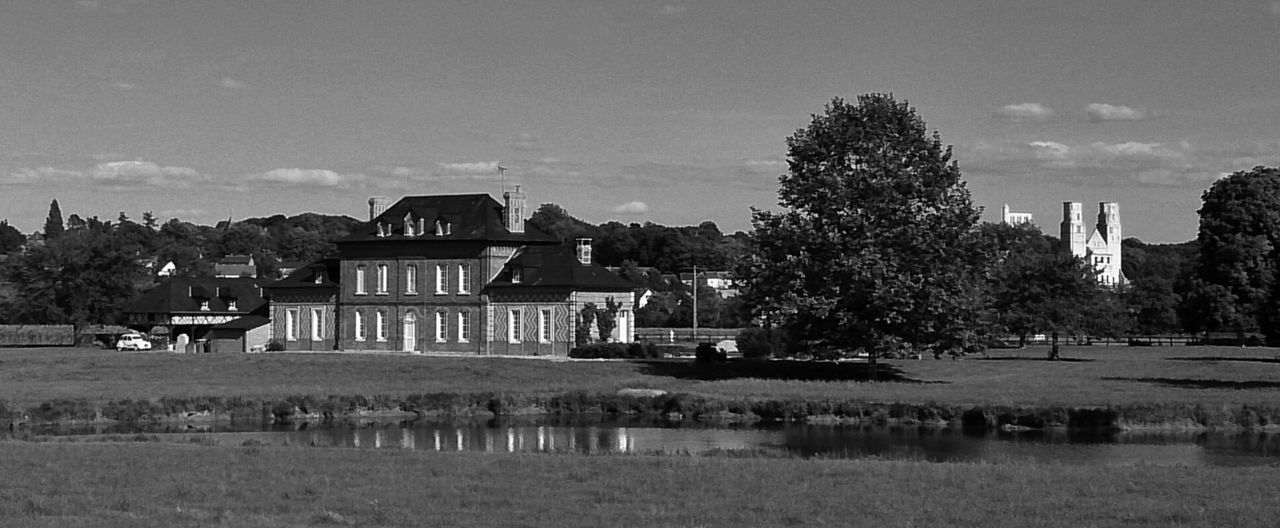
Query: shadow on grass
{"points": [[1187, 383], [1224, 358], [775, 370], [1030, 358]]}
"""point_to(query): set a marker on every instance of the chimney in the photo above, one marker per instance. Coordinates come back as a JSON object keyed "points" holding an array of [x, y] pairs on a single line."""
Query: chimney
{"points": [[514, 210], [378, 205], [584, 251]]}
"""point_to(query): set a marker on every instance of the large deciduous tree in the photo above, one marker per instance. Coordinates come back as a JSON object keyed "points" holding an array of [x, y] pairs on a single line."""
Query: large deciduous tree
{"points": [[1236, 281], [876, 244]]}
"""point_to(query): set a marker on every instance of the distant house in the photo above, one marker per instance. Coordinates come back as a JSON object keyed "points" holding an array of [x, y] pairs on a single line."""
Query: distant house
{"points": [[232, 266], [447, 273], [716, 280], [193, 306]]}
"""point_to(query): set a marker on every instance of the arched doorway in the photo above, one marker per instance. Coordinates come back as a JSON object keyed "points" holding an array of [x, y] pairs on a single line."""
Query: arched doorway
{"points": [[410, 334]]}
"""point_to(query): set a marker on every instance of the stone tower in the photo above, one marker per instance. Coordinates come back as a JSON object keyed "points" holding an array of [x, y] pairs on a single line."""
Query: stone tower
{"points": [[514, 210], [1108, 256], [1072, 232], [378, 205]]}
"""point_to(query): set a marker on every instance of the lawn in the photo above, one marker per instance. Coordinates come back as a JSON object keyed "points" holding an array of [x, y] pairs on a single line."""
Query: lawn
{"points": [[66, 484], [1090, 376]]}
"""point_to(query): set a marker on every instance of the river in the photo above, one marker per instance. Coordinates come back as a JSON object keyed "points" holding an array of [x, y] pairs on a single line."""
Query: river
{"points": [[801, 440]]}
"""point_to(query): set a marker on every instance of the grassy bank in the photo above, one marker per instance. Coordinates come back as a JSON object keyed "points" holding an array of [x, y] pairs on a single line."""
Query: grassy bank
{"points": [[1178, 386], [159, 484]]}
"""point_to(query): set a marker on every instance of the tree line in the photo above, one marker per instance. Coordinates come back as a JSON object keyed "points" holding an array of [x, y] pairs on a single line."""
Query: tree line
{"points": [[85, 270]]}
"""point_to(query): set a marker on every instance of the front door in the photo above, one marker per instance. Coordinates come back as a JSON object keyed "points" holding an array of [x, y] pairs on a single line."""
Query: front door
{"points": [[410, 334]]}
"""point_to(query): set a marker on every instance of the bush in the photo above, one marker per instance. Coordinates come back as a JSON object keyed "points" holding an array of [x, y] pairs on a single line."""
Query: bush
{"points": [[275, 345], [602, 351], [708, 353], [759, 343]]}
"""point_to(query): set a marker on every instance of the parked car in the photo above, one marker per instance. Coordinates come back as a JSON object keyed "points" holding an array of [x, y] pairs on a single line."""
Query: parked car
{"points": [[133, 342]]}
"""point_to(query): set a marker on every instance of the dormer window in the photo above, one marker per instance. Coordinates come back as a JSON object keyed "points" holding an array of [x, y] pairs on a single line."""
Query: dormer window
{"points": [[422, 226], [231, 305], [382, 229], [204, 305], [517, 275], [408, 226], [439, 228], [319, 279]]}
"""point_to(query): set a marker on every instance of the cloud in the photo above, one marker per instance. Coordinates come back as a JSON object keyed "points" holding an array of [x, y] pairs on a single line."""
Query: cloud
{"points": [[526, 142], [1024, 112], [766, 166], [232, 84], [112, 175], [1124, 163], [631, 208], [120, 85], [672, 9], [321, 177], [474, 167], [1099, 112]]}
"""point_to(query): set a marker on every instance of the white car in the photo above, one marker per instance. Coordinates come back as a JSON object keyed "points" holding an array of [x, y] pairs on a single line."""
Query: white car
{"points": [[133, 342]]}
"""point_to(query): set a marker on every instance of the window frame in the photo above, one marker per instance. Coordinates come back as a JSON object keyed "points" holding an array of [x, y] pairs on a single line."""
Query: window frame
{"points": [[291, 323], [361, 287], [411, 279], [464, 326], [544, 326], [381, 330], [383, 281], [514, 325], [442, 326], [442, 279], [464, 279], [361, 333], [317, 324]]}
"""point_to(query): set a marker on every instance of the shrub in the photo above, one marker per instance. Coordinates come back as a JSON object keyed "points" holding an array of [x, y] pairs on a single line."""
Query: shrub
{"points": [[275, 345], [708, 353], [606, 351], [759, 343]]}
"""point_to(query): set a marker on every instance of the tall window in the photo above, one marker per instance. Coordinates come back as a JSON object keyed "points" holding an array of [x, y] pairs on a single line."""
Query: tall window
{"points": [[317, 324], [411, 279], [464, 278], [382, 279], [442, 327], [544, 326], [360, 289], [359, 316], [442, 278], [517, 275], [291, 324], [513, 326], [381, 335], [464, 327]]}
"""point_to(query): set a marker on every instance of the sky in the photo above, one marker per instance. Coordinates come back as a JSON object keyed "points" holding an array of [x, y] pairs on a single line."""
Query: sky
{"points": [[667, 112]]}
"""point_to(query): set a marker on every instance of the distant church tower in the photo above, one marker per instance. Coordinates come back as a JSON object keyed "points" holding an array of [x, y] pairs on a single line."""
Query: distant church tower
{"points": [[1011, 218], [1072, 229], [1102, 247]]}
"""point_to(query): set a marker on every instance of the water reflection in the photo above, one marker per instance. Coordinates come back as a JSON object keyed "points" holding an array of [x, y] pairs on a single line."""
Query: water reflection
{"points": [[831, 441]]}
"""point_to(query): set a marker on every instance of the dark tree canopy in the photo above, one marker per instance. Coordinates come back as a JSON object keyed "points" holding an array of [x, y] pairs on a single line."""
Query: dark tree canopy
{"points": [[53, 226], [10, 238], [1235, 284], [877, 244]]}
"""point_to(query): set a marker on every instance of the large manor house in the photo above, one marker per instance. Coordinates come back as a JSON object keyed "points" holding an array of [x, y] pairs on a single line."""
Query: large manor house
{"points": [[437, 274], [1101, 247]]}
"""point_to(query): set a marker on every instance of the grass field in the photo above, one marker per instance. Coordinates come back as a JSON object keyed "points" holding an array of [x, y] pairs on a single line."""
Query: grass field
{"points": [[1089, 377], [161, 484]]}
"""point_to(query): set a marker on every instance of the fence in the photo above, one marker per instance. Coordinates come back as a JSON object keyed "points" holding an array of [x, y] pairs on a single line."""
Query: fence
{"points": [[37, 335], [685, 335]]}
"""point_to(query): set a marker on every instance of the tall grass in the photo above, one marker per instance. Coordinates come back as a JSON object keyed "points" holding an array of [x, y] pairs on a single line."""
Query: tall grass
{"points": [[161, 484]]}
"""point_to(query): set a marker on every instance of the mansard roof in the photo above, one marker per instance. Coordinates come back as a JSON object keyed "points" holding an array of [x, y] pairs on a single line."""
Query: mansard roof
{"points": [[185, 294], [468, 217], [557, 267], [318, 277]]}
